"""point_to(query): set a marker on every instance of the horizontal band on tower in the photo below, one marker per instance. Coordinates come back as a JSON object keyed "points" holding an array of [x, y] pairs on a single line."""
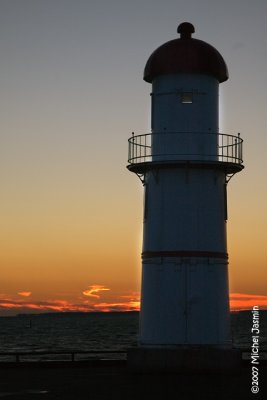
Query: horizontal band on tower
{"points": [[185, 253], [226, 166]]}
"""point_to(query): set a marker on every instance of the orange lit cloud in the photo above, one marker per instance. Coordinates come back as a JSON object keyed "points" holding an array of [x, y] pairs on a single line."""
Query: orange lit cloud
{"points": [[41, 306], [127, 306], [93, 289], [13, 306], [25, 293], [242, 301], [127, 302]]}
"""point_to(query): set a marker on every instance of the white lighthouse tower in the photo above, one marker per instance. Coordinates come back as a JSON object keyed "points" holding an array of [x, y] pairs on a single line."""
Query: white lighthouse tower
{"points": [[184, 164]]}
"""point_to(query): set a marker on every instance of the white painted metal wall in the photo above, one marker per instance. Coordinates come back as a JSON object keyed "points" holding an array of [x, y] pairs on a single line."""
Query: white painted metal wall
{"points": [[185, 299], [196, 121], [185, 302], [185, 209]]}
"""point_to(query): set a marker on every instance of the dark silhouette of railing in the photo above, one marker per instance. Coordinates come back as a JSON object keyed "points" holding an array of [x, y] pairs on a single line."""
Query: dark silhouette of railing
{"points": [[228, 148], [72, 355], [98, 355]]}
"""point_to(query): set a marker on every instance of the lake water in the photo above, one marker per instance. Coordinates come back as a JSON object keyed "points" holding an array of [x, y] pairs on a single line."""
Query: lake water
{"points": [[97, 331]]}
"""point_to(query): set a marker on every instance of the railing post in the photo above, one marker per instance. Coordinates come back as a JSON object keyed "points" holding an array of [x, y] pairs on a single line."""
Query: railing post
{"points": [[133, 147], [141, 149], [227, 147], [239, 147], [218, 146]]}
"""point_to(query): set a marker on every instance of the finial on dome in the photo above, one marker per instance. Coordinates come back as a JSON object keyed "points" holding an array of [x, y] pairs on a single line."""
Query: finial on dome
{"points": [[186, 29]]}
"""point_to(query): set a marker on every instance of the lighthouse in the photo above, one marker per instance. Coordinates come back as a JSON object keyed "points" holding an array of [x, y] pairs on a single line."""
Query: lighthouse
{"points": [[185, 164]]}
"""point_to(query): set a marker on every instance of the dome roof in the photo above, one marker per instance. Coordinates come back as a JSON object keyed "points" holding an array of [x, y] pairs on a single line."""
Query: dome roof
{"points": [[186, 55]]}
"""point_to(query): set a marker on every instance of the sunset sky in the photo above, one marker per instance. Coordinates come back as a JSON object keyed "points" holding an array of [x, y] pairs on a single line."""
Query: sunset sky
{"points": [[71, 93]]}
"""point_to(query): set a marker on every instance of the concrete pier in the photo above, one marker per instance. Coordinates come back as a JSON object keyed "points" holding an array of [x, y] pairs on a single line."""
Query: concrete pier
{"points": [[184, 359], [113, 380]]}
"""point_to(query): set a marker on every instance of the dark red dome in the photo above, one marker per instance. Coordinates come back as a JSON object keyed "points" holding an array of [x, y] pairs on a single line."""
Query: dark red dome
{"points": [[186, 55]]}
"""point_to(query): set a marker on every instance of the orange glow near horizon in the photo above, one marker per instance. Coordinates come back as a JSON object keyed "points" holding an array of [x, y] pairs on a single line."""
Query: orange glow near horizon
{"points": [[241, 301], [123, 303]]}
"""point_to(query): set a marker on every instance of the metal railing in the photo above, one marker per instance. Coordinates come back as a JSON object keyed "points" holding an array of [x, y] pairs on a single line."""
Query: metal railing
{"points": [[226, 148], [98, 355], [63, 355]]}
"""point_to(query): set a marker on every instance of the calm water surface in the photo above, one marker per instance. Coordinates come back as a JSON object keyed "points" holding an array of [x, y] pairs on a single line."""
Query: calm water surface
{"points": [[97, 331]]}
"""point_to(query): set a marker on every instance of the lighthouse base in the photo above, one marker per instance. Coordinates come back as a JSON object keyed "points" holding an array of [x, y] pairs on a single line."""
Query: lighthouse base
{"points": [[181, 359]]}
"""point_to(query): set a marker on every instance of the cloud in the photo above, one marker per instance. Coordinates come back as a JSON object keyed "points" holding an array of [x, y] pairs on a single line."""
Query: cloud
{"points": [[11, 306], [93, 289], [243, 301], [123, 306], [127, 302], [25, 293]]}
